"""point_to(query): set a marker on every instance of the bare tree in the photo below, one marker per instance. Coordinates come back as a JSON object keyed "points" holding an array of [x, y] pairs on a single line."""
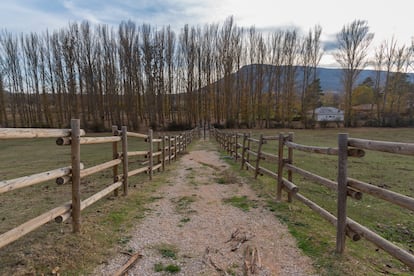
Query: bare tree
{"points": [[353, 42]]}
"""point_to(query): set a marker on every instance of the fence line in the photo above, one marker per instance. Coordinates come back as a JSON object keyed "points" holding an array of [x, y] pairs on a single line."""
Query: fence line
{"points": [[344, 186], [73, 137]]}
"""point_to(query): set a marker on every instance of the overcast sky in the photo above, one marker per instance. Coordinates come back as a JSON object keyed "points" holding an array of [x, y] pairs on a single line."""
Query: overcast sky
{"points": [[385, 18]]}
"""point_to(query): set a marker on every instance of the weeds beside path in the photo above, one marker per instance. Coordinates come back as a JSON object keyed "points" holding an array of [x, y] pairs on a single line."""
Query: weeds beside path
{"points": [[206, 221]]}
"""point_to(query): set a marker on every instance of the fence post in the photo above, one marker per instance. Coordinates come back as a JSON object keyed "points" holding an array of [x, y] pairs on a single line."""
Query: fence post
{"points": [[169, 149], [163, 152], [125, 160], [159, 156], [175, 147], [290, 161], [115, 156], [280, 167], [75, 157], [236, 147], [243, 151], [342, 192], [150, 152], [248, 154], [259, 150]]}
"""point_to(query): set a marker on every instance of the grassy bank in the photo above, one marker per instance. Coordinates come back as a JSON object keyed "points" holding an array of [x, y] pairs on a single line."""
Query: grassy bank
{"points": [[314, 235]]}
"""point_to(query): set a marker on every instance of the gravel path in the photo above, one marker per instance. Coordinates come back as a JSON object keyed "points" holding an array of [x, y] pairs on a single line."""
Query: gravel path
{"points": [[191, 227]]}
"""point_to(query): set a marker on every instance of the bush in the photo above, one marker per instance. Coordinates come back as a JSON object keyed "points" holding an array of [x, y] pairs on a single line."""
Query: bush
{"points": [[218, 126], [174, 126]]}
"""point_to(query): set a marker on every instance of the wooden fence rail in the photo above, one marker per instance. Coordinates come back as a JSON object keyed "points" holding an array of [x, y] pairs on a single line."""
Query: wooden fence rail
{"points": [[344, 186], [160, 150]]}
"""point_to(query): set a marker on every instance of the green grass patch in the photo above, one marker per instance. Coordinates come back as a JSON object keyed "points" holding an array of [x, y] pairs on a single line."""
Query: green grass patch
{"points": [[241, 202], [167, 250], [183, 204], [171, 268], [314, 235]]}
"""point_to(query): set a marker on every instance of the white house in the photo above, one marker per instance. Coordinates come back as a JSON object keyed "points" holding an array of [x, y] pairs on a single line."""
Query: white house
{"points": [[329, 114]]}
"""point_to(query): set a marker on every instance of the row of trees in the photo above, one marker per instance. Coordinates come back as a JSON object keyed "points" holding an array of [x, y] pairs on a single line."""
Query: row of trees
{"points": [[390, 91], [143, 75], [139, 75]]}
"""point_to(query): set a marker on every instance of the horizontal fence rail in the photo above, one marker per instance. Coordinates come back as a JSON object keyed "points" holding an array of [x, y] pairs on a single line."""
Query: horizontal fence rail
{"points": [[161, 151], [251, 155]]}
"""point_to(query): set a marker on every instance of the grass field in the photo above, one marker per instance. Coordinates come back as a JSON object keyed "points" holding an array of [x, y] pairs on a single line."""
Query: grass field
{"points": [[315, 236], [106, 224]]}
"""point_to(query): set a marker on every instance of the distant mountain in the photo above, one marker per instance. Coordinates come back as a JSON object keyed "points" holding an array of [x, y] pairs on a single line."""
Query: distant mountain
{"points": [[331, 78]]}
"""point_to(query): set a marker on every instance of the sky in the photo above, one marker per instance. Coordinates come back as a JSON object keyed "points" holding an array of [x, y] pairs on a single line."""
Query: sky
{"points": [[386, 19]]}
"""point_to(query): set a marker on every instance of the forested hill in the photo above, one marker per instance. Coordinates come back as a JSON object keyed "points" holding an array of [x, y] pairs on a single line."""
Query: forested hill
{"points": [[330, 78]]}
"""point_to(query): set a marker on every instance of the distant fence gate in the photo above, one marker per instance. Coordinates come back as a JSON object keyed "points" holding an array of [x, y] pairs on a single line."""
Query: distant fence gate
{"points": [[166, 150], [238, 145]]}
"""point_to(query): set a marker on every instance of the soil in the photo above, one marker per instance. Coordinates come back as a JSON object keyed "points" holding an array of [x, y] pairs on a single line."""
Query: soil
{"points": [[192, 227]]}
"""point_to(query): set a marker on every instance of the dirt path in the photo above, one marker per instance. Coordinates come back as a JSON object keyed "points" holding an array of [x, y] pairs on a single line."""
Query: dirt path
{"points": [[190, 226]]}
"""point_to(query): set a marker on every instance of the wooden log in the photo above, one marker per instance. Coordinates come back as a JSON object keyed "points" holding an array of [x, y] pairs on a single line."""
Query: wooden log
{"points": [[27, 227], [319, 179], [280, 167], [312, 149], [269, 157], [243, 160], [256, 140], [75, 157], [115, 155], [137, 135], [250, 166], [16, 133], [170, 149], [125, 160], [271, 138], [99, 140], [384, 146], [326, 215], [137, 153], [151, 151], [63, 180], [156, 140], [100, 167], [25, 181], [395, 251], [323, 181], [157, 153], [163, 154], [290, 185], [268, 172], [122, 271], [138, 171], [354, 194], [342, 192], [92, 199], [252, 152], [63, 141], [256, 171], [390, 196], [156, 167], [290, 161], [236, 147], [89, 201]]}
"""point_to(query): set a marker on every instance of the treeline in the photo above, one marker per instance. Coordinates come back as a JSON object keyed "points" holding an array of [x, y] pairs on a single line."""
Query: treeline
{"points": [[139, 75], [154, 76]]}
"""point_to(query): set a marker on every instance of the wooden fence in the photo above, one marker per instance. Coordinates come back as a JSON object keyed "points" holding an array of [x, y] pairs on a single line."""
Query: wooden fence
{"points": [[240, 147], [161, 151]]}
